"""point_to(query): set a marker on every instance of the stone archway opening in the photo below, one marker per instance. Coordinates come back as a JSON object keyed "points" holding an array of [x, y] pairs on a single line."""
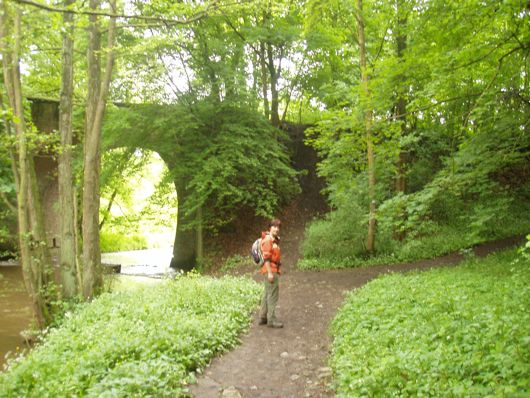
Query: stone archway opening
{"points": [[138, 209]]}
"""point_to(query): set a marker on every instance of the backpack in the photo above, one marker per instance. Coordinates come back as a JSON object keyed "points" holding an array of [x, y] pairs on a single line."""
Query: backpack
{"points": [[256, 253]]}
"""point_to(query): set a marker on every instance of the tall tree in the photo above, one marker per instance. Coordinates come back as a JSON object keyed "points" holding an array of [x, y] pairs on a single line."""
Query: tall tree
{"points": [[34, 254], [98, 88], [68, 254], [401, 101], [366, 104]]}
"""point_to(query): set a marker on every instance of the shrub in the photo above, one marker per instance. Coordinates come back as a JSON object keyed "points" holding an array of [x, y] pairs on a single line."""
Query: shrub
{"points": [[340, 236], [140, 342], [116, 242], [234, 262], [429, 240], [447, 332]]}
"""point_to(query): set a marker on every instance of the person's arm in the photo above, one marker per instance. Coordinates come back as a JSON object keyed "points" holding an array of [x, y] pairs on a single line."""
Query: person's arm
{"points": [[267, 255]]}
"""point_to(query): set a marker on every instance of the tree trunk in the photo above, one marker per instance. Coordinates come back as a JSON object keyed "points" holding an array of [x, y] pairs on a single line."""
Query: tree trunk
{"points": [[264, 80], [185, 244], [43, 261], [9, 132], [401, 105], [68, 245], [34, 255], [273, 73], [97, 95], [367, 111], [200, 242]]}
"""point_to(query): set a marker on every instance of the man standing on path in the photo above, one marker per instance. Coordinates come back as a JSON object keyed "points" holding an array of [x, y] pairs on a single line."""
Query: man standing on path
{"points": [[270, 247]]}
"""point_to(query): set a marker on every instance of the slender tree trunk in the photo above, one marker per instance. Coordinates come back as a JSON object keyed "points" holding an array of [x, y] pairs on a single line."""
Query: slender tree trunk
{"points": [[264, 80], [9, 132], [98, 90], [34, 255], [78, 234], [41, 253], [401, 105], [200, 243], [109, 207], [91, 256], [273, 74], [367, 110], [67, 249]]}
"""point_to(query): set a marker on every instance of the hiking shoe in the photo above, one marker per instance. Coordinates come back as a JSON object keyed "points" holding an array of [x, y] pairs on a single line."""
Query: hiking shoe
{"points": [[262, 321], [275, 325]]}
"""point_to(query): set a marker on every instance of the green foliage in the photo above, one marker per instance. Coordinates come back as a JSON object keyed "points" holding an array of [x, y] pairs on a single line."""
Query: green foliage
{"points": [[478, 193], [244, 164], [525, 250], [432, 240], [115, 241], [139, 342], [339, 235], [234, 262], [445, 333], [221, 156], [139, 203], [461, 141]]}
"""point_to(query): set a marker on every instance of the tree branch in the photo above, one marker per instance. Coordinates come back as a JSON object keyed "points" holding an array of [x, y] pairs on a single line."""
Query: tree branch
{"points": [[109, 207], [383, 41], [166, 21], [488, 86], [10, 205], [239, 34], [438, 103]]}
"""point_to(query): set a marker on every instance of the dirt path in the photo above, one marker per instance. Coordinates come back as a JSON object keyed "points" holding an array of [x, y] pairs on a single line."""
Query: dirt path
{"points": [[291, 362]]}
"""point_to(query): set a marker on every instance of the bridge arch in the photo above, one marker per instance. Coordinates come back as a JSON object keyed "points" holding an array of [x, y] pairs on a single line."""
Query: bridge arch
{"points": [[134, 130], [185, 136]]}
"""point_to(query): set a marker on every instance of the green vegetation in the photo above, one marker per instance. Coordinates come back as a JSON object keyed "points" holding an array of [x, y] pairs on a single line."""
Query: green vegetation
{"points": [[115, 241], [448, 332], [234, 262], [448, 124], [140, 342], [222, 157], [335, 242]]}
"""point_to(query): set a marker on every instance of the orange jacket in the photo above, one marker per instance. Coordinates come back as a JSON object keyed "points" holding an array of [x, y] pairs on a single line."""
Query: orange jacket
{"points": [[270, 248]]}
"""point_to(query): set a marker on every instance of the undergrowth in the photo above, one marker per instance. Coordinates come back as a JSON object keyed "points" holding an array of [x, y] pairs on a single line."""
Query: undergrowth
{"points": [[323, 249], [450, 332], [117, 242], [136, 343]]}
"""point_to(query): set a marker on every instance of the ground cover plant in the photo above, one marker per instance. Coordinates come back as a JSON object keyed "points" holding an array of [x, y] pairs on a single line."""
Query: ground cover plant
{"points": [[450, 332], [134, 343], [338, 241]]}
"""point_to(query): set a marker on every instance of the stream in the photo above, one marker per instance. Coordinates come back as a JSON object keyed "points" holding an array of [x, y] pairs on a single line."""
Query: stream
{"points": [[15, 306]]}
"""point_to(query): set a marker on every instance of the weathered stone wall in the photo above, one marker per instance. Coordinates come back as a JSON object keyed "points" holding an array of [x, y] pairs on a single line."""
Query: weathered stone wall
{"points": [[45, 116]]}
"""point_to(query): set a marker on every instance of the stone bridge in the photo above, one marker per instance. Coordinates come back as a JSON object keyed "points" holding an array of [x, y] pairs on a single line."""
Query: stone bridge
{"points": [[45, 115], [188, 244]]}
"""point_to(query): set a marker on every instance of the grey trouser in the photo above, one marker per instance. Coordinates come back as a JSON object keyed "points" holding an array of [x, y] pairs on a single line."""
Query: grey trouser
{"points": [[270, 299]]}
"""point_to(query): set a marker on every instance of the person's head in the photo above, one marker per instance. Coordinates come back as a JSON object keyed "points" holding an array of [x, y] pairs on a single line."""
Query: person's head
{"points": [[274, 227]]}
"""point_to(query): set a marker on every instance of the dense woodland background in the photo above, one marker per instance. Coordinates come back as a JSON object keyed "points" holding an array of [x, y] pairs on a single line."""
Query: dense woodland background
{"points": [[418, 110]]}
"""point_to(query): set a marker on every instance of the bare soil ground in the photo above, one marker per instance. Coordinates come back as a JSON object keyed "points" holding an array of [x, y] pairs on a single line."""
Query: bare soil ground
{"points": [[291, 362]]}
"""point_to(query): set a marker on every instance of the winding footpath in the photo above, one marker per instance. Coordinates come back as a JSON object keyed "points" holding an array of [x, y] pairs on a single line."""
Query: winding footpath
{"points": [[291, 362]]}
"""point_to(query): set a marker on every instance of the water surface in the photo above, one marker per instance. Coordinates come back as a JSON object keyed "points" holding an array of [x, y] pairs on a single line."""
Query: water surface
{"points": [[15, 310], [15, 306]]}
